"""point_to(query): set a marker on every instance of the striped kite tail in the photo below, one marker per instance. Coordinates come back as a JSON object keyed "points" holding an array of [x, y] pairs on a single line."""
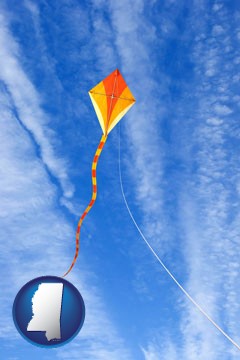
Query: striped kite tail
{"points": [[93, 199]]}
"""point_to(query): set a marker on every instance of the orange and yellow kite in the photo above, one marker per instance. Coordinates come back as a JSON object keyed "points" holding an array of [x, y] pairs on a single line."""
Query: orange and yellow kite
{"points": [[111, 99]]}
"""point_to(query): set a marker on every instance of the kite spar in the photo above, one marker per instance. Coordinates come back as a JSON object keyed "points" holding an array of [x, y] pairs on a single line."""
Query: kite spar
{"points": [[111, 99]]}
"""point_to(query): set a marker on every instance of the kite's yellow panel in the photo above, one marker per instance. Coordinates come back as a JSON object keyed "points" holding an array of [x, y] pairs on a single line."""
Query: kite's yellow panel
{"points": [[111, 99]]}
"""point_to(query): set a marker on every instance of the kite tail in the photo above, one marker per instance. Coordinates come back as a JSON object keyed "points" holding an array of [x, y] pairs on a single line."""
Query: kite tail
{"points": [[93, 199]]}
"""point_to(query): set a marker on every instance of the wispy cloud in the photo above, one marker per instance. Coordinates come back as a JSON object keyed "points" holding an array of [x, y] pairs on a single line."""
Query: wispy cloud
{"points": [[165, 350], [209, 216], [27, 104]]}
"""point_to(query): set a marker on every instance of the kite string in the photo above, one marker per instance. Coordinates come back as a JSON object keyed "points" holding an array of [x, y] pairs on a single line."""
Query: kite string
{"points": [[93, 199], [160, 261]]}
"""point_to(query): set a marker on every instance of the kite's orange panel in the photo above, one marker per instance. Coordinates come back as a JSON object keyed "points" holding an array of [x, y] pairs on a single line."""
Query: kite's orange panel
{"points": [[111, 99]]}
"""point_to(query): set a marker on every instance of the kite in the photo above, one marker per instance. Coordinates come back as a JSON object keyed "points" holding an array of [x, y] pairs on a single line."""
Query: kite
{"points": [[111, 99]]}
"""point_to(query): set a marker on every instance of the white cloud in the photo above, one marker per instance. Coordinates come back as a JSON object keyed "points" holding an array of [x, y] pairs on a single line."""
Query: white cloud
{"points": [[222, 109], [164, 351], [217, 7], [215, 121], [217, 30], [27, 102], [32, 7], [207, 207]]}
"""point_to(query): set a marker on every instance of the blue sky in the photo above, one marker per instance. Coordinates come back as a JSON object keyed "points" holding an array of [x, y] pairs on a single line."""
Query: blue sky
{"points": [[180, 165]]}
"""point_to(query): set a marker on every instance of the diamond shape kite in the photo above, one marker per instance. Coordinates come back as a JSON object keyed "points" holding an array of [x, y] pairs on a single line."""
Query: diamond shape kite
{"points": [[111, 99]]}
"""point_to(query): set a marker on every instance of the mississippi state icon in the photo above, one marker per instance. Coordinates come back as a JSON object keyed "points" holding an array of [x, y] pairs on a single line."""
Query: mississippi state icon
{"points": [[48, 311]]}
